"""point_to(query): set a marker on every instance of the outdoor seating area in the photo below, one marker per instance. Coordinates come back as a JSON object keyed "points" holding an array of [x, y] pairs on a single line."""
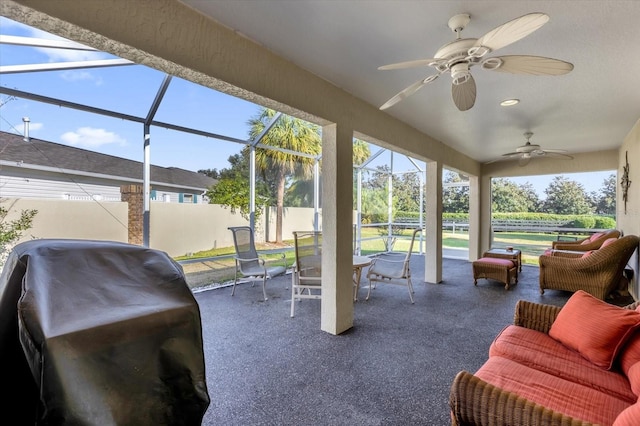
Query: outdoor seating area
{"points": [[395, 366], [557, 366], [592, 242], [232, 159], [598, 272]]}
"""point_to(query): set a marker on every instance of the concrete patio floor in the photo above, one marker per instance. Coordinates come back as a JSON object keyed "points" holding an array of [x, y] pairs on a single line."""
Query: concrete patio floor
{"points": [[394, 367]]}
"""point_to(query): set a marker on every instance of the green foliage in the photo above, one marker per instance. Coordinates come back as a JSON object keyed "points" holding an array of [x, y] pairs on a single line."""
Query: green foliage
{"points": [[455, 199], [571, 221], [11, 230], [604, 201], [277, 166], [604, 222], [507, 196], [565, 196], [232, 189], [455, 217], [583, 222]]}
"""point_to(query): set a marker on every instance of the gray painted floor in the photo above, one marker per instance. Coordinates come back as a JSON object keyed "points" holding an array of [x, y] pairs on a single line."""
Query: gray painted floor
{"points": [[394, 367]]}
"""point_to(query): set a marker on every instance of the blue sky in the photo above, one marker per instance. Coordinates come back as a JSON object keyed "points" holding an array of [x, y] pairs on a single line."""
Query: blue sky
{"points": [[131, 90]]}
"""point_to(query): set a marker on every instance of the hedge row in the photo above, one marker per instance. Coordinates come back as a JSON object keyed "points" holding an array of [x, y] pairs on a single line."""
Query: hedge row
{"points": [[573, 221]]}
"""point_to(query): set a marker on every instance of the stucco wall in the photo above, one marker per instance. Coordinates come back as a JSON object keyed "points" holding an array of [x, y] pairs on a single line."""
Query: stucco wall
{"points": [[72, 219], [177, 229]]}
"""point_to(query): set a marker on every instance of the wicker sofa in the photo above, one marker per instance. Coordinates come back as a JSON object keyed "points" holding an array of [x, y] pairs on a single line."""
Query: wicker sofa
{"points": [[598, 272], [590, 243], [570, 366]]}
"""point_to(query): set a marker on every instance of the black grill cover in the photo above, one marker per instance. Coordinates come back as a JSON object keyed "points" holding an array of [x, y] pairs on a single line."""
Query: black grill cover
{"points": [[99, 333]]}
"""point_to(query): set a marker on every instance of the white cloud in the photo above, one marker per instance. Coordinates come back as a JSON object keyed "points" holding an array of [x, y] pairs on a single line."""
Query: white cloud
{"points": [[77, 75], [33, 127], [88, 137]]}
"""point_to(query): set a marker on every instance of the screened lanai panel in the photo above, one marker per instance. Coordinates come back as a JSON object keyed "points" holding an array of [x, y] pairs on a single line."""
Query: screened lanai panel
{"points": [[128, 89], [193, 106], [76, 128]]}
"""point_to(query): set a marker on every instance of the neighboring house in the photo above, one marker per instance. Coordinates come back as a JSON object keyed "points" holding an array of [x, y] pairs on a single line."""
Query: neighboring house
{"points": [[41, 169]]}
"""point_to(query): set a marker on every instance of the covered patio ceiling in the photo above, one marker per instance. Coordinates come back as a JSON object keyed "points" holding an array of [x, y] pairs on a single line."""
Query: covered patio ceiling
{"points": [[590, 109]]}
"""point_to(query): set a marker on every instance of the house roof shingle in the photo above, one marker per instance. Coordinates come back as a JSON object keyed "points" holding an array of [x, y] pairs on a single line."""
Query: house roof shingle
{"points": [[50, 154]]}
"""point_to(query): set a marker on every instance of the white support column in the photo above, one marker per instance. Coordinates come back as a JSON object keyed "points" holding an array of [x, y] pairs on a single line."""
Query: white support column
{"points": [[337, 228], [475, 194], [485, 231], [433, 254], [358, 236]]}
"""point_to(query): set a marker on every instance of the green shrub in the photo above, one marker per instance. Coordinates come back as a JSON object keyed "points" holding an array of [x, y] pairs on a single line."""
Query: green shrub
{"points": [[587, 222], [604, 222]]}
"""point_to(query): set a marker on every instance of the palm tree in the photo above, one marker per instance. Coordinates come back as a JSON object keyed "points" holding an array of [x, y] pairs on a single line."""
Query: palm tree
{"points": [[292, 134], [298, 136]]}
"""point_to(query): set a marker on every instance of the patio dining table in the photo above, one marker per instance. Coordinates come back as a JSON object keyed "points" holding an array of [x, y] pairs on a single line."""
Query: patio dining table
{"points": [[359, 263]]}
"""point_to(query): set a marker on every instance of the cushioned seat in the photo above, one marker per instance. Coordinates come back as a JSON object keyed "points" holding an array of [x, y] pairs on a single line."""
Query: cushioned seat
{"points": [[537, 350], [564, 396], [502, 270]]}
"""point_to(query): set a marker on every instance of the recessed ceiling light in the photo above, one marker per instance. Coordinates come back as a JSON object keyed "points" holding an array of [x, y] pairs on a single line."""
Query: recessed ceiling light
{"points": [[509, 102]]}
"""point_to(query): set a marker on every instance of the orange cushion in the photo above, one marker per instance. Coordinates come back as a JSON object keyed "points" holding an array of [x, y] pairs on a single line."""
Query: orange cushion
{"points": [[594, 328], [539, 351], [608, 241], [587, 253], [630, 353], [629, 417], [573, 399], [634, 378], [496, 261]]}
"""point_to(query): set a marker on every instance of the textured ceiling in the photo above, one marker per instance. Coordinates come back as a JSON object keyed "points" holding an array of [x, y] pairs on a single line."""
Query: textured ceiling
{"points": [[590, 109]]}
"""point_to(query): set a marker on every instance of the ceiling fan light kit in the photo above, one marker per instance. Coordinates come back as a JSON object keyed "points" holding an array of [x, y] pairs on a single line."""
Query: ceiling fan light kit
{"points": [[457, 58]]}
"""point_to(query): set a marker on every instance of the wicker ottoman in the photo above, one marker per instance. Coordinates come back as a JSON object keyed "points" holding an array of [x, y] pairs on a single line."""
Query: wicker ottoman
{"points": [[502, 270]]}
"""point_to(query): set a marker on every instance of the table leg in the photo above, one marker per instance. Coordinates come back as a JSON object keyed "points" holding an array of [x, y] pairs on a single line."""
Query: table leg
{"points": [[357, 271]]}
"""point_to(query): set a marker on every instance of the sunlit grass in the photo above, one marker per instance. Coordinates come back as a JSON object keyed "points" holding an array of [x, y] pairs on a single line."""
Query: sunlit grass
{"points": [[532, 245]]}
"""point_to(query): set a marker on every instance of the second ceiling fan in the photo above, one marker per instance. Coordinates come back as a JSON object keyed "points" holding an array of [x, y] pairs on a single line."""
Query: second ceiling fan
{"points": [[526, 152], [458, 56]]}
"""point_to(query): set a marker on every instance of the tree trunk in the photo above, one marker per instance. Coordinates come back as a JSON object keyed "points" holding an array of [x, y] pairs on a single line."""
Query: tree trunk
{"points": [[279, 204]]}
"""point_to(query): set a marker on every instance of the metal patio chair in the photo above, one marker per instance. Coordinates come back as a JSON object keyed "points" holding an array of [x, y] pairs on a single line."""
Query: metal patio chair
{"points": [[393, 268], [306, 278], [249, 264]]}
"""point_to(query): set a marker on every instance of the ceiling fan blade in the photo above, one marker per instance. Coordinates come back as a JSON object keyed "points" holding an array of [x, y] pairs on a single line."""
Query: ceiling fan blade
{"points": [[555, 151], [512, 154], [525, 64], [512, 31], [464, 95], [408, 64], [493, 161], [409, 91], [557, 155]]}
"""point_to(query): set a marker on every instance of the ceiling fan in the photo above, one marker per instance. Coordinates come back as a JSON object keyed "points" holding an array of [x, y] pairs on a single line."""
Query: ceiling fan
{"points": [[458, 56], [526, 152]]}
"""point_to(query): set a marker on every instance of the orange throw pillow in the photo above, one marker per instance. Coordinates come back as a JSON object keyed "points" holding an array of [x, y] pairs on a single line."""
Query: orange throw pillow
{"points": [[594, 328]]}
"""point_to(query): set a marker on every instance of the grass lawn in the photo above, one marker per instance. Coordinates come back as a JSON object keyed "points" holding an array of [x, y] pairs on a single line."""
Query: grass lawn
{"points": [[532, 246]]}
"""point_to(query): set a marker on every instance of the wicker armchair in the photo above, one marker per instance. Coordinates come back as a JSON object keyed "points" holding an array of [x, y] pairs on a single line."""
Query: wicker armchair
{"points": [[598, 273], [590, 243], [476, 402]]}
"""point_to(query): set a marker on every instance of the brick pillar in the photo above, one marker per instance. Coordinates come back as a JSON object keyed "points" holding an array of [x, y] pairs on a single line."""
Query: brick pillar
{"points": [[133, 195]]}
